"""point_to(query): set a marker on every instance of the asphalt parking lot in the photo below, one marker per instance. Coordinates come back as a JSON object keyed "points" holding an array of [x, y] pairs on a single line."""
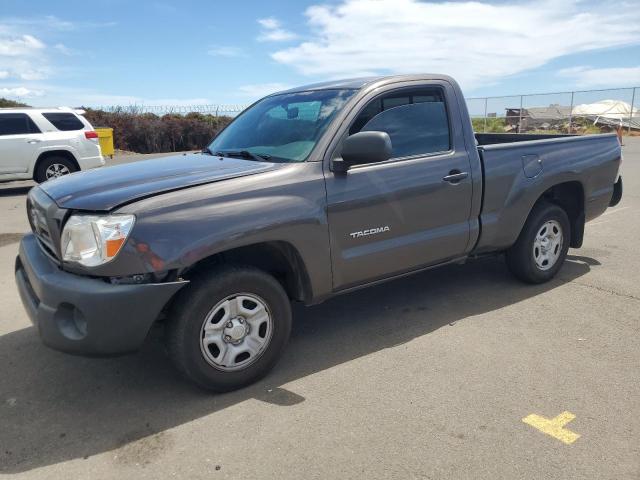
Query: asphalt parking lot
{"points": [[426, 377]]}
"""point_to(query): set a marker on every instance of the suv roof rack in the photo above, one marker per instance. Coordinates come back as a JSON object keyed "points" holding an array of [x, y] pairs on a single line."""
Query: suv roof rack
{"points": [[79, 111]]}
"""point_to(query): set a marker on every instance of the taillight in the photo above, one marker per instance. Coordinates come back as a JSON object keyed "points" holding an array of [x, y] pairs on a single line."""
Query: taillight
{"points": [[90, 134]]}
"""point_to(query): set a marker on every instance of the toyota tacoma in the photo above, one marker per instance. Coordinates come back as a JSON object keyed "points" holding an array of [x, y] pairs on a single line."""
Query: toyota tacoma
{"points": [[307, 194]]}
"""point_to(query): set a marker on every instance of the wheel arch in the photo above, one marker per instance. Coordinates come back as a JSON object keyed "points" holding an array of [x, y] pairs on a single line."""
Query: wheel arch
{"points": [[571, 198], [54, 153], [278, 258]]}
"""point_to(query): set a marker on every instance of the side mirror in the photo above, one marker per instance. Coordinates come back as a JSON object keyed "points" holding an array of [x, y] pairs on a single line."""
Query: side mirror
{"points": [[363, 147]]}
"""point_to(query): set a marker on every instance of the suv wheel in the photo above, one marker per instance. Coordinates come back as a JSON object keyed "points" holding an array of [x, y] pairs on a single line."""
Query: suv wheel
{"points": [[229, 328], [542, 246], [53, 167]]}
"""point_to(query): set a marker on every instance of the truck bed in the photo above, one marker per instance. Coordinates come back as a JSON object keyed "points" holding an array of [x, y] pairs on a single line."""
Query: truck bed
{"points": [[518, 168]]}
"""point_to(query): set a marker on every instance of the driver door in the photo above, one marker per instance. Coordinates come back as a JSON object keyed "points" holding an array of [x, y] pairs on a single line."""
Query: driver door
{"points": [[403, 214]]}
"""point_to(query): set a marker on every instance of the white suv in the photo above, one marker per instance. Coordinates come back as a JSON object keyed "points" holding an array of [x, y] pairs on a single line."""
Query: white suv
{"points": [[44, 143]]}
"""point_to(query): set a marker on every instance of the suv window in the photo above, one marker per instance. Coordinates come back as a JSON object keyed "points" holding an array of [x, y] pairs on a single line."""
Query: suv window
{"points": [[17, 124], [416, 121], [64, 121]]}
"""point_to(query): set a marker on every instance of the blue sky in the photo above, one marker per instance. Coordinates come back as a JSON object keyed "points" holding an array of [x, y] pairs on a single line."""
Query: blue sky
{"points": [[117, 52]]}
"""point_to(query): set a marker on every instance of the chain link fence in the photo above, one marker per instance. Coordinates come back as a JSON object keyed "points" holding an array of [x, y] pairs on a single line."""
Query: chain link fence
{"points": [[580, 111], [215, 110]]}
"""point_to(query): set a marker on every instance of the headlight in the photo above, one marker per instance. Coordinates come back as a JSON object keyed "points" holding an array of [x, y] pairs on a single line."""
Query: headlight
{"points": [[92, 240]]}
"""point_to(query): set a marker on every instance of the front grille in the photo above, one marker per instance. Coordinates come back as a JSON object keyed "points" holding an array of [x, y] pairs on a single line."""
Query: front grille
{"points": [[45, 219]]}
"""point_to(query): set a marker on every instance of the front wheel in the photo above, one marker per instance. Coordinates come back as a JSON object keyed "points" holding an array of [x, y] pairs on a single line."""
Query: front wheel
{"points": [[542, 246], [229, 328]]}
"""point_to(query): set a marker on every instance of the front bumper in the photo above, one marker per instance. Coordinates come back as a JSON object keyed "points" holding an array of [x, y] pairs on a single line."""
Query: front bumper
{"points": [[83, 315]]}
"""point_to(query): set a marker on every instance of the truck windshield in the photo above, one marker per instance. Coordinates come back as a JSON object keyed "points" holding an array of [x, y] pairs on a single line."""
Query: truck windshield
{"points": [[281, 128]]}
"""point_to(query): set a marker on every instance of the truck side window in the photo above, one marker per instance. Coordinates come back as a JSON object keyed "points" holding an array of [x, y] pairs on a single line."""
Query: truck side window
{"points": [[16, 124], [416, 121]]}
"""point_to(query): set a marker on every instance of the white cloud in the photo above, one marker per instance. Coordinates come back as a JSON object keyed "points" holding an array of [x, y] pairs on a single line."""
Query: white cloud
{"points": [[20, 92], [12, 46], [589, 77], [4, 74], [277, 35], [226, 51], [63, 49], [51, 22], [272, 31], [258, 90], [22, 55], [473, 41], [38, 73], [270, 23], [52, 95]]}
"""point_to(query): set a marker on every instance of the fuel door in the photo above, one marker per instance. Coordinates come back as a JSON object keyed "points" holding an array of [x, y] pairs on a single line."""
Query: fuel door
{"points": [[532, 165]]}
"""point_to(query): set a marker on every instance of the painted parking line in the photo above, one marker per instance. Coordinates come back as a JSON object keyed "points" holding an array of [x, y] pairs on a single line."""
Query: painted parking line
{"points": [[614, 210], [554, 426], [608, 212]]}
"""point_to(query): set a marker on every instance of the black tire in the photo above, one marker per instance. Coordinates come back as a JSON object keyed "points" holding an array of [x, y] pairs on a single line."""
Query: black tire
{"points": [[41, 170], [521, 256], [188, 313]]}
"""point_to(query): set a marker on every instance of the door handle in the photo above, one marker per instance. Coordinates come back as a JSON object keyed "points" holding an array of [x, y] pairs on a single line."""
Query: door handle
{"points": [[455, 176], [33, 141]]}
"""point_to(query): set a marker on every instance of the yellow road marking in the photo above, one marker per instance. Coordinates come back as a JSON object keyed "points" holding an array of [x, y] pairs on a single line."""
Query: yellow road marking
{"points": [[554, 426]]}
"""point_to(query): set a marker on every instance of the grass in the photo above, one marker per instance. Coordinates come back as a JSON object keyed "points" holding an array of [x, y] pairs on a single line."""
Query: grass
{"points": [[493, 125]]}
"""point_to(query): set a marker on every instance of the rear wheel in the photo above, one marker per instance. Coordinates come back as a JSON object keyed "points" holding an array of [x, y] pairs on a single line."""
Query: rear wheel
{"points": [[53, 167], [542, 246], [229, 328]]}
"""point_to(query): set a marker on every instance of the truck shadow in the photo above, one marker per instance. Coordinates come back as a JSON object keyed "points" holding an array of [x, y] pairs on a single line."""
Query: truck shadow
{"points": [[56, 407], [12, 190]]}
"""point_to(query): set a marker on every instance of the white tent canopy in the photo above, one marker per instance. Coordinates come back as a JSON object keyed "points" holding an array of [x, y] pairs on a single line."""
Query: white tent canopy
{"points": [[609, 112], [612, 109]]}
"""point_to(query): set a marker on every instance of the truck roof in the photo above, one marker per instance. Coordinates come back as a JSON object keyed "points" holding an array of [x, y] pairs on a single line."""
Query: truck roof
{"points": [[361, 82]]}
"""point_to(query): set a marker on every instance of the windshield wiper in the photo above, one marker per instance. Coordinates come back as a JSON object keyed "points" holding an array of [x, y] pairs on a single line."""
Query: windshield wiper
{"points": [[207, 150], [258, 157]]}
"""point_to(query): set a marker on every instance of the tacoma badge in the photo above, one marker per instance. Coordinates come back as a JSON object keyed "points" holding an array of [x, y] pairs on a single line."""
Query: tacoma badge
{"points": [[370, 231]]}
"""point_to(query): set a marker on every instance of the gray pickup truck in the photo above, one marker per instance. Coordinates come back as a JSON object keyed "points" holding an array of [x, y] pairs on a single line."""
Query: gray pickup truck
{"points": [[307, 194]]}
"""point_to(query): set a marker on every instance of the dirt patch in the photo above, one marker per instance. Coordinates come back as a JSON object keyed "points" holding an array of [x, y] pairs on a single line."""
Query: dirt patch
{"points": [[142, 451]]}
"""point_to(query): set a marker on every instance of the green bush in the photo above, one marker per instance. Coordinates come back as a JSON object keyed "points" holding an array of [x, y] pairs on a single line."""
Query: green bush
{"points": [[6, 103], [493, 125], [150, 133]]}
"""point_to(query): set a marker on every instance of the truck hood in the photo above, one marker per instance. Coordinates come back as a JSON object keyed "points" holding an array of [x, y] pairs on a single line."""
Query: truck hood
{"points": [[106, 188]]}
